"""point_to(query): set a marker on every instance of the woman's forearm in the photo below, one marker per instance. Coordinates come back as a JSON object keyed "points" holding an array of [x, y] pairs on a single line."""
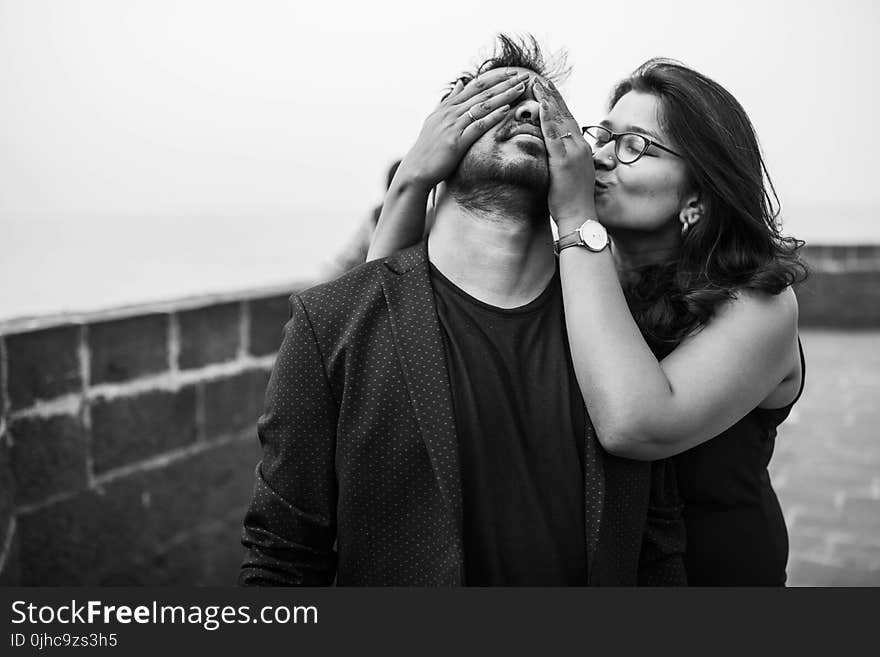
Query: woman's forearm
{"points": [[624, 387], [402, 220]]}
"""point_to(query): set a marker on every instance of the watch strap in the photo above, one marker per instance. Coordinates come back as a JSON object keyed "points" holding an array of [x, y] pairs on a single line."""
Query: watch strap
{"points": [[569, 239]]}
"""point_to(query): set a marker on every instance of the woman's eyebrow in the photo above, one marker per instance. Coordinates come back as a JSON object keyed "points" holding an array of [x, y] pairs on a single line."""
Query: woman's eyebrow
{"points": [[632, 128]]}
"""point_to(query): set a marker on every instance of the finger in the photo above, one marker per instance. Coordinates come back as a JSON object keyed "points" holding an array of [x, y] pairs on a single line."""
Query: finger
{"points": [[483, 104], [451, 96], [484, 82], [559, 100], [555, 121], [553, 140], [478, 128], [559, 112]]}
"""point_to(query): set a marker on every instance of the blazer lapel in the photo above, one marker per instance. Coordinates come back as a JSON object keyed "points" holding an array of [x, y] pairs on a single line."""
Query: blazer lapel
{"points": [[416, 330]]}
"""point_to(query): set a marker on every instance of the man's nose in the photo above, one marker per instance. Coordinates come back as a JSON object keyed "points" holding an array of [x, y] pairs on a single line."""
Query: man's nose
{"points": [[528, 112]]}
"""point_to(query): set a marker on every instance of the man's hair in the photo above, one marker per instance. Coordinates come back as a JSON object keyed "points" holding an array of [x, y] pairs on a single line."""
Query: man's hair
{"points": [[520, 52]]}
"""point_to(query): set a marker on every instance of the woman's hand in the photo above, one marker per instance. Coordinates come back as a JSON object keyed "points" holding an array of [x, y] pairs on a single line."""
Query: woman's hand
{"points": [[461, 118], [572, 176]]}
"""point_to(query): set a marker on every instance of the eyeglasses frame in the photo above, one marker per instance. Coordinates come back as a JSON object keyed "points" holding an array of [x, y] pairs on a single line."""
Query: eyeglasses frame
{"points": [[615, 135]]}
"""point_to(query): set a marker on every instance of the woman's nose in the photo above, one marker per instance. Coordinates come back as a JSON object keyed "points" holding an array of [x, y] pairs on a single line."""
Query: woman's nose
{"points": [[604, 157]]}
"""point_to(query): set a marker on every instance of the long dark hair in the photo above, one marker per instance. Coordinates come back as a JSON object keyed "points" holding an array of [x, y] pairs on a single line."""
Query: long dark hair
{"points": [[738, 244]]}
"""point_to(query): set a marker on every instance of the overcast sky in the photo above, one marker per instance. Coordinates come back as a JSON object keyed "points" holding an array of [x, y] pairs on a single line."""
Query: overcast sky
{"points": [[163, 148]]}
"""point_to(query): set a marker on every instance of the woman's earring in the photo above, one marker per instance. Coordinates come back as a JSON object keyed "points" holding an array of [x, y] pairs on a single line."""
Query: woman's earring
{"points": [[684, 226]]}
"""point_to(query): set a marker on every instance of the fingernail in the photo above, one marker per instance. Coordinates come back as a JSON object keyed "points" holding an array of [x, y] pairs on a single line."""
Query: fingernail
{"points": [[504, 108], [544, 104], [520, 87]]}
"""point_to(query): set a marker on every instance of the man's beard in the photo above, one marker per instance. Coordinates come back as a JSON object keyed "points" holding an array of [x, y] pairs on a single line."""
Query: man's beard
{"points": [[487, 184]]}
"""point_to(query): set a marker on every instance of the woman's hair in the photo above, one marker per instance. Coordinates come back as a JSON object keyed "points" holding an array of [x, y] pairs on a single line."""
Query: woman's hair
{"points": [[737, 245]]}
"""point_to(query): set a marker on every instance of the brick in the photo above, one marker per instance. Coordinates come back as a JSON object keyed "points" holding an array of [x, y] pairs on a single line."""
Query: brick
{"points": [[48, 456], [43, 365], [209, 335], [195, 521], [129, 429], [866, 252], [268, 317], [209, 557], [233, 405], [3, 383], [8, 561], [10, 569], [125, 349], [840, 300], [113, 535], [211, 485], [7, 489], [76, 540]]}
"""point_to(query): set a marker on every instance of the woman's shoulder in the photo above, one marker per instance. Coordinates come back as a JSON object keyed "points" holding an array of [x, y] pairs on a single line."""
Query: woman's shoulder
{"points": [[773, 318], [761, 310]]}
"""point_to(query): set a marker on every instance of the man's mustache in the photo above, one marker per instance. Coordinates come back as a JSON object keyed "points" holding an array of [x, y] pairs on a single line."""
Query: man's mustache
{"points": [[520, 128]]}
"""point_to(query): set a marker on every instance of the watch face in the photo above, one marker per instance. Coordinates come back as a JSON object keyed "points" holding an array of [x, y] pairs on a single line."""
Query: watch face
{"points": [[594, 235]]}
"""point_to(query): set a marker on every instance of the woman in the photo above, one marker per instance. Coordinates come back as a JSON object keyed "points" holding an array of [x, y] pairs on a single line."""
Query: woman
{"points": [[684, 335]]}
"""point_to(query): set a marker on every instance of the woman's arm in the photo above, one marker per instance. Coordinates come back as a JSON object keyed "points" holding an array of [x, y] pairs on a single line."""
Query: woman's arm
{"points": [[461, 118], [402, 220], [642, 408]]}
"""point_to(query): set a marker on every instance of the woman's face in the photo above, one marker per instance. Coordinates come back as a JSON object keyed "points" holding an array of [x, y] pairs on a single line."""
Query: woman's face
{"points": [[648, 194]]}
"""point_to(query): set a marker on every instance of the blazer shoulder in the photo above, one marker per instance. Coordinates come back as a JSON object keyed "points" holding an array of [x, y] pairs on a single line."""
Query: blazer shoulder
{"points": [[358, 283], [361, 284]]}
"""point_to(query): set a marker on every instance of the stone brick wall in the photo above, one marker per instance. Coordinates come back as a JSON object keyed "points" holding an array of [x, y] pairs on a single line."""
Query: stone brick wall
{"points": [[128, 442], [127, 439], [843, 290]]}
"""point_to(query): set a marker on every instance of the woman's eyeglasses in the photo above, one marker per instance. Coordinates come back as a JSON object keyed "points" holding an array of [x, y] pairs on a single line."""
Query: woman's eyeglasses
{"points": [[628, 146]]}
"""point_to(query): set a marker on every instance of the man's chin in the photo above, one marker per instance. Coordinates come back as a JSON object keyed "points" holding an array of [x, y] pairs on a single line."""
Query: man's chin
{"points": [[522, 166]]}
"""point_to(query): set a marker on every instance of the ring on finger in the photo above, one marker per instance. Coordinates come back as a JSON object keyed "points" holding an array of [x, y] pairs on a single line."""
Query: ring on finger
{"points": [[471, 114], [567, 134]]}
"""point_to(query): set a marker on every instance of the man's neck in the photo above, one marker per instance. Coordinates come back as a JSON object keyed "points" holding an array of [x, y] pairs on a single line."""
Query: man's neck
{"points": [[501, 256]]}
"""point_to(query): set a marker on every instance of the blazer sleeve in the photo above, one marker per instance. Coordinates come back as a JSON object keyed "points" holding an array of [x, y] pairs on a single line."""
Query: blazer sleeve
{"points": [[290, 526], [661, 561]]}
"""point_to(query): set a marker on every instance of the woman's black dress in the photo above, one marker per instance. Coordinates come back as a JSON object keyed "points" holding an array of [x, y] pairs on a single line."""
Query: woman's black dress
{"points": [[736, 532]]}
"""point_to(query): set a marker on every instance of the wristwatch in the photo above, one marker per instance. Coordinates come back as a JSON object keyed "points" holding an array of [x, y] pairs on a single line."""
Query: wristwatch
{"points": [[591, 234]]}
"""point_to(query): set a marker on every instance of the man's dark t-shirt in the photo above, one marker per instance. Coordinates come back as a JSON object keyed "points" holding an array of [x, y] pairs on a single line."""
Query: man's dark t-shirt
{"points": [[520, 421]]}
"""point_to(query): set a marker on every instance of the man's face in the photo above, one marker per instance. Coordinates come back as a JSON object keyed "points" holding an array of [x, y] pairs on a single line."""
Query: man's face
{"points": [[511, 153]]}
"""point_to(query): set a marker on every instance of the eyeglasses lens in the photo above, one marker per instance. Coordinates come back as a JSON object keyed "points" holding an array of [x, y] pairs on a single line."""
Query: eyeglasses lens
{"points": [[628, 147]]}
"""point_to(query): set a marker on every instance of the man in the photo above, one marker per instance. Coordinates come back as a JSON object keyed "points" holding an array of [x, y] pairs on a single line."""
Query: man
{"points": [[423, 424]]}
